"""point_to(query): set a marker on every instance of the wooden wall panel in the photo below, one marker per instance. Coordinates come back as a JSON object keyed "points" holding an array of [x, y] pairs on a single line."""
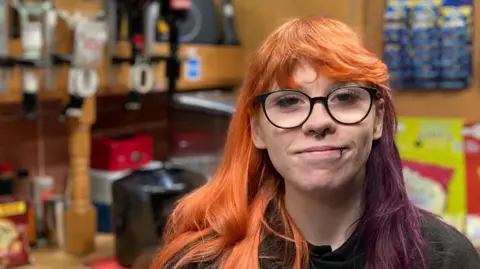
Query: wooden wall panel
{"points": [[256, 19]]}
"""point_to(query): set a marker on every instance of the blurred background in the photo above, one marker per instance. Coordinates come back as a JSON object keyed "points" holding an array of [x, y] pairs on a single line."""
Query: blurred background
{"points": [[112, 110]]}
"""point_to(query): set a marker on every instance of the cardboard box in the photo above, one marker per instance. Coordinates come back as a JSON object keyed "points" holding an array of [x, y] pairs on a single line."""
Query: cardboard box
{"points": [[471, 135], [434, 166]]}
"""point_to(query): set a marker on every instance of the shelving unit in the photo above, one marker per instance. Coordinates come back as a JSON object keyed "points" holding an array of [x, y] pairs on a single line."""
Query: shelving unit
{"points": [[220, 67]]}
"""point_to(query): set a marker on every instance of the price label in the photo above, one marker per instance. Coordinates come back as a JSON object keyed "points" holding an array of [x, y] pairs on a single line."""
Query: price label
{"points": [[90, 37], [32, 39], [12, 209]]}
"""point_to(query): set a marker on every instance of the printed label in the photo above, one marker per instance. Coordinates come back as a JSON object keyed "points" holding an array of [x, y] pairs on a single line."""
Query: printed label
{"points": [[193, 69]]}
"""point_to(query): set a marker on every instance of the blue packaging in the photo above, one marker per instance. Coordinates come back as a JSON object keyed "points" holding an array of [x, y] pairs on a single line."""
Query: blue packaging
{"points": [[396, 39], [456, 57], [428, 43], [425, 44]]}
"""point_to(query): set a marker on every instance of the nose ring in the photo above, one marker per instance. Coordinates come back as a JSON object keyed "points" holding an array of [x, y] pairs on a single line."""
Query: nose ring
{"points": [[317, 134]]}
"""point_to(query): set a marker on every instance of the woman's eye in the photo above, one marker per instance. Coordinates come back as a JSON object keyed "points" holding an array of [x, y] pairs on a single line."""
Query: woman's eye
{"points": [[345, 97], [288, 101]]}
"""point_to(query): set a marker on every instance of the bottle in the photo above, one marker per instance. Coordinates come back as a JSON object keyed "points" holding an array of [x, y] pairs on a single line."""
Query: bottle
{"points": [[23, 188], [6, 179]]}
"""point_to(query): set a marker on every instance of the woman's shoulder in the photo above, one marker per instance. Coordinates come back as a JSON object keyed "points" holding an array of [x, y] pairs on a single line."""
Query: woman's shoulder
{"points": [[447, 247]]}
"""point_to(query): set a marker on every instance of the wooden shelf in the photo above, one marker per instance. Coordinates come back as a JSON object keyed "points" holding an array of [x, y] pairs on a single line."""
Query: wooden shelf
{"points": [[221, 66], [454, 104], [47, 258]]}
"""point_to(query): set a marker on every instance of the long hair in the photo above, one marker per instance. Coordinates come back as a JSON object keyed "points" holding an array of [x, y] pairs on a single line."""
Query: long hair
{"points": [[224, 222]]}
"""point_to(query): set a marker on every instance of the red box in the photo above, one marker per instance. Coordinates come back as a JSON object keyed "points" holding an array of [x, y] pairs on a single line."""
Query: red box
{"points": [[103, 263], [121, 153], [472, 166], [194, 143]]}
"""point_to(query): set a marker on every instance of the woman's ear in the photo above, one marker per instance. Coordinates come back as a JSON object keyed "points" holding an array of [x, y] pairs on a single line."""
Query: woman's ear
{"points": [[379, 114], [257, 133]]}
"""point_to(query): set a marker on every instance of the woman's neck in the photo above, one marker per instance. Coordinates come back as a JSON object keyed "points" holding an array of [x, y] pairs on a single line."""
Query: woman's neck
{"points": [[326, 219]]}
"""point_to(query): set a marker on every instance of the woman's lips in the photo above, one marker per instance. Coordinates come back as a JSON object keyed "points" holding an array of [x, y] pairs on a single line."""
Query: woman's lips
{"points": [[321, 155]]}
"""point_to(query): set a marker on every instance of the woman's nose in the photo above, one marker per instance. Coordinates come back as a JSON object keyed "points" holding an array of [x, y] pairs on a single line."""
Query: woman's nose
{"points": [[319, 120]]}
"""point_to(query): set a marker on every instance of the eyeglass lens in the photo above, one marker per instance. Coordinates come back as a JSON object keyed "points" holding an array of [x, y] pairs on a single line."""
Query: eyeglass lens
{"points": [[290, 108]]}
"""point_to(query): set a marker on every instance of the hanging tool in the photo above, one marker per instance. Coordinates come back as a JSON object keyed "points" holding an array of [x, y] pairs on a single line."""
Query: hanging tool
{"points": [[35, 27]]}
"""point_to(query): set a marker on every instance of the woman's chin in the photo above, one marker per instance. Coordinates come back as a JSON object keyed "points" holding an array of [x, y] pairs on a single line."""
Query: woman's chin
{"points": [[318, 181]]}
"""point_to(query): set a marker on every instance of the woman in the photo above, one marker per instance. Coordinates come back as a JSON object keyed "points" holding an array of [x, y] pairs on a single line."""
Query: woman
{"points": [[311, 176]]}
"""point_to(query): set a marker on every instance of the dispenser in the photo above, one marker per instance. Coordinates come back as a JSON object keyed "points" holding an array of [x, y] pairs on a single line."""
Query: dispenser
{"points": [[90, 35], [35, 17], [6, 62], [141, 16]]}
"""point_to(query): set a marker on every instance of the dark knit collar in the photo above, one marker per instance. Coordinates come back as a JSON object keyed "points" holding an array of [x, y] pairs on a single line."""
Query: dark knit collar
{"points": [[276, 252], [349, 254]]}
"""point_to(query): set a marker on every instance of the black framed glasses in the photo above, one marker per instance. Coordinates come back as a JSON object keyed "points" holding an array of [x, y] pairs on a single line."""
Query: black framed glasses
{"points": [[290, 108]]}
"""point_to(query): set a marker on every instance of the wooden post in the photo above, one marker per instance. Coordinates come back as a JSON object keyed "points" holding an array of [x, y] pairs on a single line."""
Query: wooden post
{"points": [[80, 216]]}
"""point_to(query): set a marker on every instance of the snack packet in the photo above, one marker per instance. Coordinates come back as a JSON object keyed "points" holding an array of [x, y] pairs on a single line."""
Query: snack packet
{"points": [[427, 185], [14, 248]]}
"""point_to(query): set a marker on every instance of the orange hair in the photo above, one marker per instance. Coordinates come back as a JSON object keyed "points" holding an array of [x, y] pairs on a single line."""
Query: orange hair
{"points": [[224, 221]]}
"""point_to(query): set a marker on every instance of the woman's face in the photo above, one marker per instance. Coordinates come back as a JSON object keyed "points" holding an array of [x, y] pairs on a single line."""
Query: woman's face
{"points": [[326, 161]]}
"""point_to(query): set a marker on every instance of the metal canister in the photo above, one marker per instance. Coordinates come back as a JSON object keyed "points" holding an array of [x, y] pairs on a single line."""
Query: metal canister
{"points": [[54, 209]]}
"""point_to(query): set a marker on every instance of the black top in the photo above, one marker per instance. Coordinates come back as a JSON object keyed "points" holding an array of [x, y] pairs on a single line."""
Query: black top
{"points": [[349, 255], [447, 249]]}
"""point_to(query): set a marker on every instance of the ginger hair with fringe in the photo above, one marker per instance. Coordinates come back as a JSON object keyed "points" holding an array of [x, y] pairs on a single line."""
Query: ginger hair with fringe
{"points": [[224, 222]]}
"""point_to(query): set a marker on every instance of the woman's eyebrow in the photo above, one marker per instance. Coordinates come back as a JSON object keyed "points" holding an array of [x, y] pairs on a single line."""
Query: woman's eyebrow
{"points": [[337, 84], [328, 88]]}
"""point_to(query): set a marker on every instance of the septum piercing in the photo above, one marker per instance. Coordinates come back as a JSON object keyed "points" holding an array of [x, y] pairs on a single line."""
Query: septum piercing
{"points": [[322, 134], [317, 134]]}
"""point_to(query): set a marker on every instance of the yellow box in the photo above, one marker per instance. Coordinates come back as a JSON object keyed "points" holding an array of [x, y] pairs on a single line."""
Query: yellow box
{"points": [[434, 165]]}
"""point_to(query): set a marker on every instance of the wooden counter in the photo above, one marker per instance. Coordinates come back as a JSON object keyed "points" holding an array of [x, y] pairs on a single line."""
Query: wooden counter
{"points": [[45, 258]]}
